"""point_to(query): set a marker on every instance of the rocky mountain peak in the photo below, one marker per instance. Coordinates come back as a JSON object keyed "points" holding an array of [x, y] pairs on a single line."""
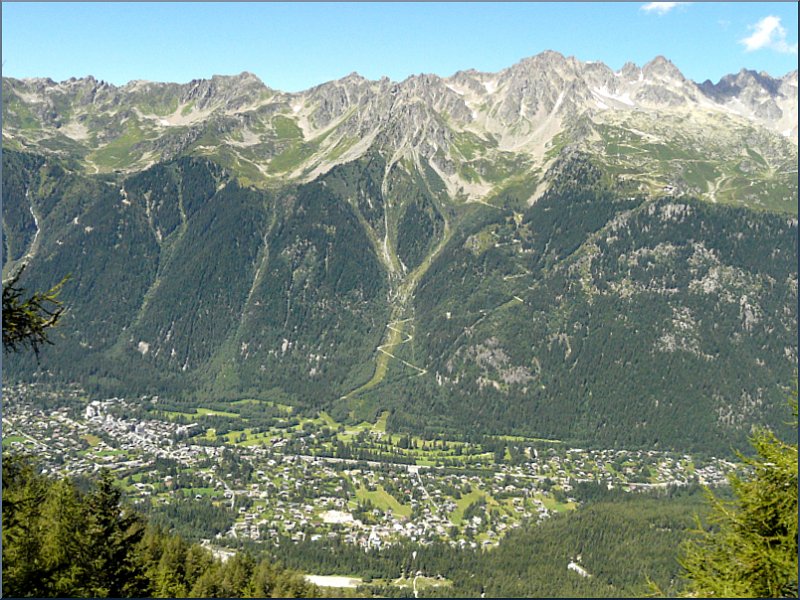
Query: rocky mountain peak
{"points": [[545, 64], [629, 72], [662, 68], [597, 74], [760, 96], [519, 109], [354, 77], [746, 81], [228, 91], [247, 76]]}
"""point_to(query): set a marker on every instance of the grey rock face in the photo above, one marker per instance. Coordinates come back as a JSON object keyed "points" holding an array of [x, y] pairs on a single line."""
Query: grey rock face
{"points": [[757, 93], [424, 114]]}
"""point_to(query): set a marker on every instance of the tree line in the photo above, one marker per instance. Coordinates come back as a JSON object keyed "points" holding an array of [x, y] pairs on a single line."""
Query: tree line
{"points": [[61, 541]]}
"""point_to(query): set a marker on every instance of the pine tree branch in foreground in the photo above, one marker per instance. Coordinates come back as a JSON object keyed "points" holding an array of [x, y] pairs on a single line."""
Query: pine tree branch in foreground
{"points": [[27, 322]]}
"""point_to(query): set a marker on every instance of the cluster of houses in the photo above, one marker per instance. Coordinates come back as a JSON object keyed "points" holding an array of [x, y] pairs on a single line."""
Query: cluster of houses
{"points": [[302, 496]]}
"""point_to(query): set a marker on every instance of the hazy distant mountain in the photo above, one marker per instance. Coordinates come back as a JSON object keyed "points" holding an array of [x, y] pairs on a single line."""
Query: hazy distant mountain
{"points": [[512, 252]]}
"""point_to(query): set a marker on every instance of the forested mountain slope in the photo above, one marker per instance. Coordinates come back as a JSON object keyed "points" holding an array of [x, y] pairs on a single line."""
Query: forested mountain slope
{"points": [[488, 251]]}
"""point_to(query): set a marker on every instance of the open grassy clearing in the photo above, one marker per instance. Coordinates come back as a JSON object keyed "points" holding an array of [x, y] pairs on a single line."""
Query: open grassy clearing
{"points": [[10, 439], [462, 503], [255, 402], [328, 420], [551, 503], [91, 439], [380, 424], [368, 436], [201, 412], [246, 437], [393, 338], [286, 128], [101, 453], [217, 413], [422, 582], [382, 500], [121, 152]]}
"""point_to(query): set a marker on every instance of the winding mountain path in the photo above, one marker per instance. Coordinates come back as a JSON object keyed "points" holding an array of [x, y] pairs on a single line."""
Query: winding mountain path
{"points": [[399, 331], [401, 312]]}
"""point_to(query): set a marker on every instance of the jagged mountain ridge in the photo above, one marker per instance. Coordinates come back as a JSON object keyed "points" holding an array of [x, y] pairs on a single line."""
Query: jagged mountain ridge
{"points": [[266, 135], [453, 250]]}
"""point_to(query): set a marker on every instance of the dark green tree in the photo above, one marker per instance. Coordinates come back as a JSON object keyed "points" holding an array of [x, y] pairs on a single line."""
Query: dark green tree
{"points": [[25, 573], [61, 542], [63, 538], [208, 585], [271, 581], [198, 561], [171, 573], [751, 548], [236, 574], [113, 568]]}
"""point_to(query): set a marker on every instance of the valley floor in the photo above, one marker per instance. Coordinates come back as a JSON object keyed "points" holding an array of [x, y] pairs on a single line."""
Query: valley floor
{"points": [[314, 479]]}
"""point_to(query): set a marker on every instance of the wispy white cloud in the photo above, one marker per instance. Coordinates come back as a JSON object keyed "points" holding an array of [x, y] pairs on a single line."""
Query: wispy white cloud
{"points": [[768, 33], [661, 8]]}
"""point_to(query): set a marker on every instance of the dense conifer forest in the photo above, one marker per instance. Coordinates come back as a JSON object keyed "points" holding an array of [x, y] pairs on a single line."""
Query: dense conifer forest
{"points": [[68, 538], [585, 317]]}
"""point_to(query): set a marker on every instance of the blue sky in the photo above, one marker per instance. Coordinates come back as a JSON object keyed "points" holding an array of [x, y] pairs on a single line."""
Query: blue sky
{"points": [[293, 46]]}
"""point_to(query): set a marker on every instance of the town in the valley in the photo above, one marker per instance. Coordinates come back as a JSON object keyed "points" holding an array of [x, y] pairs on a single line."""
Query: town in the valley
{"points": [[286, 477]]}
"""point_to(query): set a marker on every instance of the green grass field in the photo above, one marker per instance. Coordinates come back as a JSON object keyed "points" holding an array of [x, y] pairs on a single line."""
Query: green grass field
{"points": [[91, 439], [551, 503], [463, 502], [381, 499], [201, 412], [10, 439]]}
